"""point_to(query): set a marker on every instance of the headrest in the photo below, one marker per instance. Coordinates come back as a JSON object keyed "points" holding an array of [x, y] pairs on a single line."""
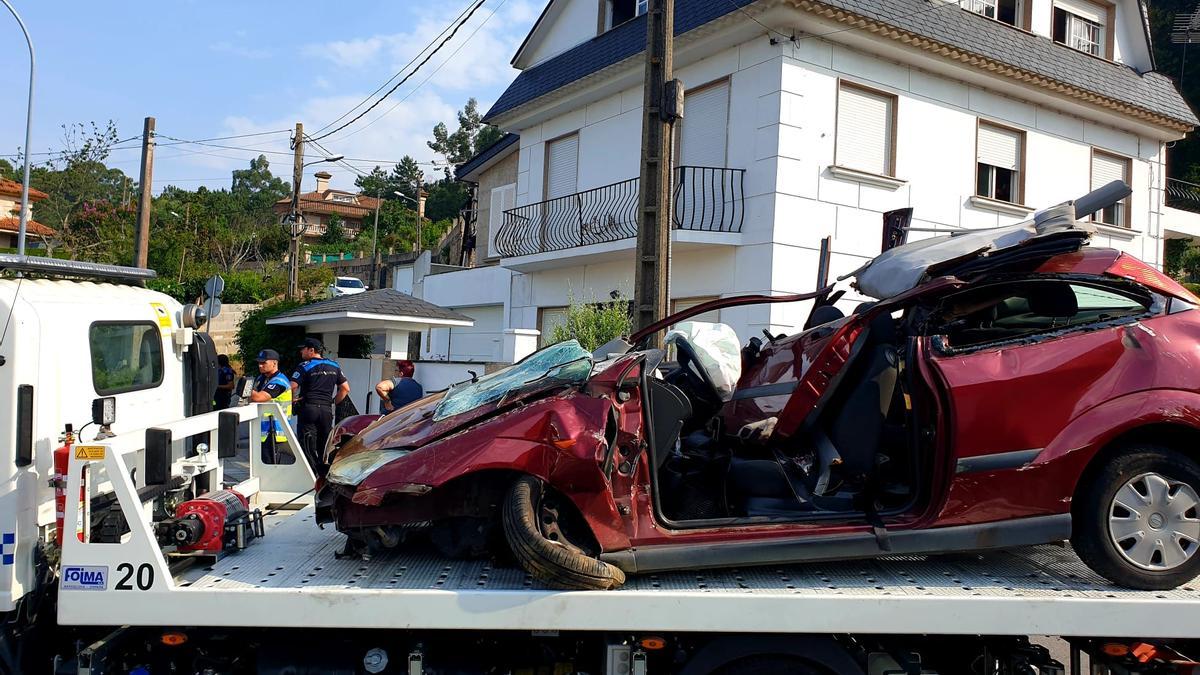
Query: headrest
{"points": [[1053, 299]]}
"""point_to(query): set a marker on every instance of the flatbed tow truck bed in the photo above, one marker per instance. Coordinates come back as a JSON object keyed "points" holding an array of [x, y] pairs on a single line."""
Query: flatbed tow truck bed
{"points": [[291, 578]]}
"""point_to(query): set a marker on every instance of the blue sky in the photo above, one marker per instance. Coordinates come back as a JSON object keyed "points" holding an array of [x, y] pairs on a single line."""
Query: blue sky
{"points": [[218, 68]]}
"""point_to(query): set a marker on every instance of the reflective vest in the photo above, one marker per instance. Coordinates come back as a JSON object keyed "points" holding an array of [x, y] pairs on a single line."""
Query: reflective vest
{"points": [[285, 401]]}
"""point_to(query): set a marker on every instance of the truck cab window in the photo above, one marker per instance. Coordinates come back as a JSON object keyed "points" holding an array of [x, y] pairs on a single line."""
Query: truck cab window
{"points": [[126, 356]]}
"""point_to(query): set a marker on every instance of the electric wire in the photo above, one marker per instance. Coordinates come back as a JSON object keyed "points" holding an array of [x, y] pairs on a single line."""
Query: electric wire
{"points": [[397, 74], [404, 79]]}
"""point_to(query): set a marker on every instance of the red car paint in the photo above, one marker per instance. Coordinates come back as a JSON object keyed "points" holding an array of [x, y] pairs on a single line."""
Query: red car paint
{"points": [[1066, 397]]}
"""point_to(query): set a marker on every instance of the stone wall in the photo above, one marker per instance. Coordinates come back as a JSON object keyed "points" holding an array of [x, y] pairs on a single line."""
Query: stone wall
{"points": [[223, 329]]}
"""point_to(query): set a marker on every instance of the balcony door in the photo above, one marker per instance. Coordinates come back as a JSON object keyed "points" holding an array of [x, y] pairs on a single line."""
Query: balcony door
{"points": [[560, 227], [702, 188]]}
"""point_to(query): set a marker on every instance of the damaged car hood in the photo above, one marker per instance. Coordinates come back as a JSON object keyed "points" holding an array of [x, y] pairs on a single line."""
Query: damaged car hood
{"points": [[905, 267]]}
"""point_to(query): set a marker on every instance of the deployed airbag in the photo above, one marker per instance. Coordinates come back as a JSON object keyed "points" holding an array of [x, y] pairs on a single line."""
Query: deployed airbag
{"points": [[717, 348]]}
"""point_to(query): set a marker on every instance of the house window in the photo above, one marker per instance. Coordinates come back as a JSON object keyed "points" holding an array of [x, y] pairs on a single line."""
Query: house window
{"points": [[620, 11], [1005, 11], [1105, 169], [999, 152], [705, 126], [866, 130], [562, 166], [503, 198], [348, 199], [1080, 25]]}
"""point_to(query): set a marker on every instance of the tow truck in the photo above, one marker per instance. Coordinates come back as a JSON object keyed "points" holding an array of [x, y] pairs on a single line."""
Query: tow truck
{"points": [[161, 543]]}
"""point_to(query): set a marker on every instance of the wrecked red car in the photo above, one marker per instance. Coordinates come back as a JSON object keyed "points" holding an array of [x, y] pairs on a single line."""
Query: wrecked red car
{"points": [[1006, 387]]}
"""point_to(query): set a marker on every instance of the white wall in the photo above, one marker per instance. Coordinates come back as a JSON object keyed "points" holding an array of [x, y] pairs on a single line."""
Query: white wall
{"points": [[574, 21], [482, 343]]}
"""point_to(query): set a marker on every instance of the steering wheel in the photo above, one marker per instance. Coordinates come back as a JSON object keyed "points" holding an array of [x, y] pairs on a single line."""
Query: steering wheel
{"points": [[689, 364]]}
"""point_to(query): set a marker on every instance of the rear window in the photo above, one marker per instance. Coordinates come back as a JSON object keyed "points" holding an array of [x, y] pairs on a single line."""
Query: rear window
{"points": [[126, 356]]}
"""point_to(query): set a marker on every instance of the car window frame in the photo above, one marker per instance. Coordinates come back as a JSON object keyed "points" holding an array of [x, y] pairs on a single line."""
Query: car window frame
{"points": [[942, 347], [132, 388]]}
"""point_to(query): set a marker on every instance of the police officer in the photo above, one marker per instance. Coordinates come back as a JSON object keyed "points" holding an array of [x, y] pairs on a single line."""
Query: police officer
{"points": [[272, 385], [321, 385]]}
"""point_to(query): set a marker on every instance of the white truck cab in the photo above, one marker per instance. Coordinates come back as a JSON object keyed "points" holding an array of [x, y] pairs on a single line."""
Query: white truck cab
{"points": [[70, 343]]}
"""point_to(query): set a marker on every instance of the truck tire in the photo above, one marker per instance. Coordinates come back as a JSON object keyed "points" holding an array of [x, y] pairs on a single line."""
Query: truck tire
{"points": [[548, 545], [1136, 522]]}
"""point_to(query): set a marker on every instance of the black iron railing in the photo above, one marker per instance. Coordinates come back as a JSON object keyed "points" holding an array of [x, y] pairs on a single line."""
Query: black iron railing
{"points": [[1183, 195], [707, 199]]}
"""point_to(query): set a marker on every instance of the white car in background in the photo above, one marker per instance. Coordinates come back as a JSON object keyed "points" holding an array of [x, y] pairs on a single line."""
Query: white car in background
{"points": [[346, 286]]}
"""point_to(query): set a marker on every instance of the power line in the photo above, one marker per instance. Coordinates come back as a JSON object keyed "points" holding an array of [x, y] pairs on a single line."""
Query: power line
{"points": [[430, 55], [429, 77], [397, 74]]}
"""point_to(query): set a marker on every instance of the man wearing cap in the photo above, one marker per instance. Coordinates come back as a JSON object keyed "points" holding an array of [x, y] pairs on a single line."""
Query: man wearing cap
{"points": [[319, 385], [272, 385]]}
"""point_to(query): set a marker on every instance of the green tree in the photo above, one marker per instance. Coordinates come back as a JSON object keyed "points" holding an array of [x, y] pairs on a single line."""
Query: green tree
{"points": [[594, 324], [1183, 161], [446, 198], [471, 136], [258, 186], [335, 232]]}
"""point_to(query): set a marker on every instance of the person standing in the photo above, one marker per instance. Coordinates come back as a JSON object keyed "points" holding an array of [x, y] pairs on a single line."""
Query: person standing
{"points": [[318, 384], [272, 385], [225, 378], [397, 392]]}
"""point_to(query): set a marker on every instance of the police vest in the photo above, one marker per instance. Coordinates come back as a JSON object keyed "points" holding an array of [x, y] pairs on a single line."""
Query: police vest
{"points": [[285, 401]]}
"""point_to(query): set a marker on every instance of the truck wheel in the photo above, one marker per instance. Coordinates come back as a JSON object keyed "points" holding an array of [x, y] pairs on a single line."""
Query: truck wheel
{"points": [[551, 541], [769, 665], [1137, 522]]}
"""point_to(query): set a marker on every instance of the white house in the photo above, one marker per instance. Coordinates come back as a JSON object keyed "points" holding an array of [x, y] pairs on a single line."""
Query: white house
{"points": [[804, 119]]}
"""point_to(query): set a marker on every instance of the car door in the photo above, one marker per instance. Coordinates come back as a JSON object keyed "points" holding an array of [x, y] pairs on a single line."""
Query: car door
{"points": [[1018, 361]]}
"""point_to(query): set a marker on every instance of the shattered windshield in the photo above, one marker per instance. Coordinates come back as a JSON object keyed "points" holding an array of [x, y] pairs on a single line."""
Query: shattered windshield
{"points": [[563, 363]]}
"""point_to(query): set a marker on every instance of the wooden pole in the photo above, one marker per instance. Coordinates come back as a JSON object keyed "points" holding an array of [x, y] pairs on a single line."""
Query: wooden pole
{"points": [[293, 291], [141, 242], [652, 266]]}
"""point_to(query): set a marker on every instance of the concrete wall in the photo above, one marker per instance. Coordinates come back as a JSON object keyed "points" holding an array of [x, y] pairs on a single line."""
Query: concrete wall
{"points": [[223, 329], [575, 21]]}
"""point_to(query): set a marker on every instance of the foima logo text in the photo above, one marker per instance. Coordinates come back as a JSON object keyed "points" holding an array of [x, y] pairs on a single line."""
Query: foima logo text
{"points": [[85, 578]]}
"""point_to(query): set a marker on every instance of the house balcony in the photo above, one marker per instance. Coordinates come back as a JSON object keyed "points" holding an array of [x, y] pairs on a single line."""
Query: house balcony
{"points": [[601, 224], [1181, 218]]}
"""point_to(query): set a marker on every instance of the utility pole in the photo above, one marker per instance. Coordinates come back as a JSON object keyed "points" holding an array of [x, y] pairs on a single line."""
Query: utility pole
{"points": [[293, 291], [375, 239], [141, 244], [661, 105]]}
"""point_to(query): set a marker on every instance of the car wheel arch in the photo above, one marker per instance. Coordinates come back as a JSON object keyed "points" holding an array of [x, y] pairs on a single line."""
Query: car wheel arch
{"points": [[1175, 435], [819, 651]]}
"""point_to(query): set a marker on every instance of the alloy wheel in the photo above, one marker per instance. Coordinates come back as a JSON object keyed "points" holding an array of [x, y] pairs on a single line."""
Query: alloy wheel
{"points": [[1154, 522]]}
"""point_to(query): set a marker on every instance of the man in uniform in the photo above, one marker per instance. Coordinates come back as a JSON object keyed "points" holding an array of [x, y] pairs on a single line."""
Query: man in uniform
{"points": [[272, 385], [321, 385]]}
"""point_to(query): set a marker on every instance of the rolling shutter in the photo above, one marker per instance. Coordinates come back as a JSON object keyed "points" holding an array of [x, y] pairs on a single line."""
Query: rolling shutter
{"points": [[1084, 10], [705, 126], [503, 199], [562, 167], [1107, 168], [1000, 147], [864, 132]]}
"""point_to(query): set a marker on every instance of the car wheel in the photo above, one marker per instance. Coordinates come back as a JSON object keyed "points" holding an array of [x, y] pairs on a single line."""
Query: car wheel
{"points": [[1137, 522], [550, 541]]}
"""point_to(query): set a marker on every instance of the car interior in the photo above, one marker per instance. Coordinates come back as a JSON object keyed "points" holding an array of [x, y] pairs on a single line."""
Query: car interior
{"points": [[862, 452]]}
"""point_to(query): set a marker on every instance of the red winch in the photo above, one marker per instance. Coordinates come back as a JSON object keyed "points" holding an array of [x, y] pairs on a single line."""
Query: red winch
{"points": [[214, 523]]}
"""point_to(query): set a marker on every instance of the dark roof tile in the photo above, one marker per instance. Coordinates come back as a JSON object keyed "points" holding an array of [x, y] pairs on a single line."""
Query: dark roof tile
{"points": [[385, 301]]}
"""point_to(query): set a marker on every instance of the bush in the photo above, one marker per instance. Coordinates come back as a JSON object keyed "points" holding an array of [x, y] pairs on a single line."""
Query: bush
{"points": [[594, 324], [1194, 288], [254, 335]]}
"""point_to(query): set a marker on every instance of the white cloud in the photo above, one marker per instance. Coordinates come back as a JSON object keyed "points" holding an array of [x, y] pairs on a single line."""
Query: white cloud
{"points": [[348, 53]]}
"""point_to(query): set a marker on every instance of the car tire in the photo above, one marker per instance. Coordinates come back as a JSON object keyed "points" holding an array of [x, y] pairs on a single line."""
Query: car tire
{"points": [[559, 564], [1164, 485]]}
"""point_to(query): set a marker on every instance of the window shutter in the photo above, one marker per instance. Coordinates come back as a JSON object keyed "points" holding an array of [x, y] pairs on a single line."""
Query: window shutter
{"points": [[503, 198], [1083, 9], [1107, 168], [1000, 147], [551, 317], [705, 126], [864, 133], [562, 167]]}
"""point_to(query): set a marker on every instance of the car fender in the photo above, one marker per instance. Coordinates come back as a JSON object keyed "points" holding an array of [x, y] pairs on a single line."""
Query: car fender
{"points": [[1080, 441]]}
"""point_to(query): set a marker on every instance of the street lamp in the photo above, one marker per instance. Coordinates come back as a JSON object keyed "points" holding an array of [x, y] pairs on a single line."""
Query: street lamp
{"points": [[24, 216], [297, 227]]}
